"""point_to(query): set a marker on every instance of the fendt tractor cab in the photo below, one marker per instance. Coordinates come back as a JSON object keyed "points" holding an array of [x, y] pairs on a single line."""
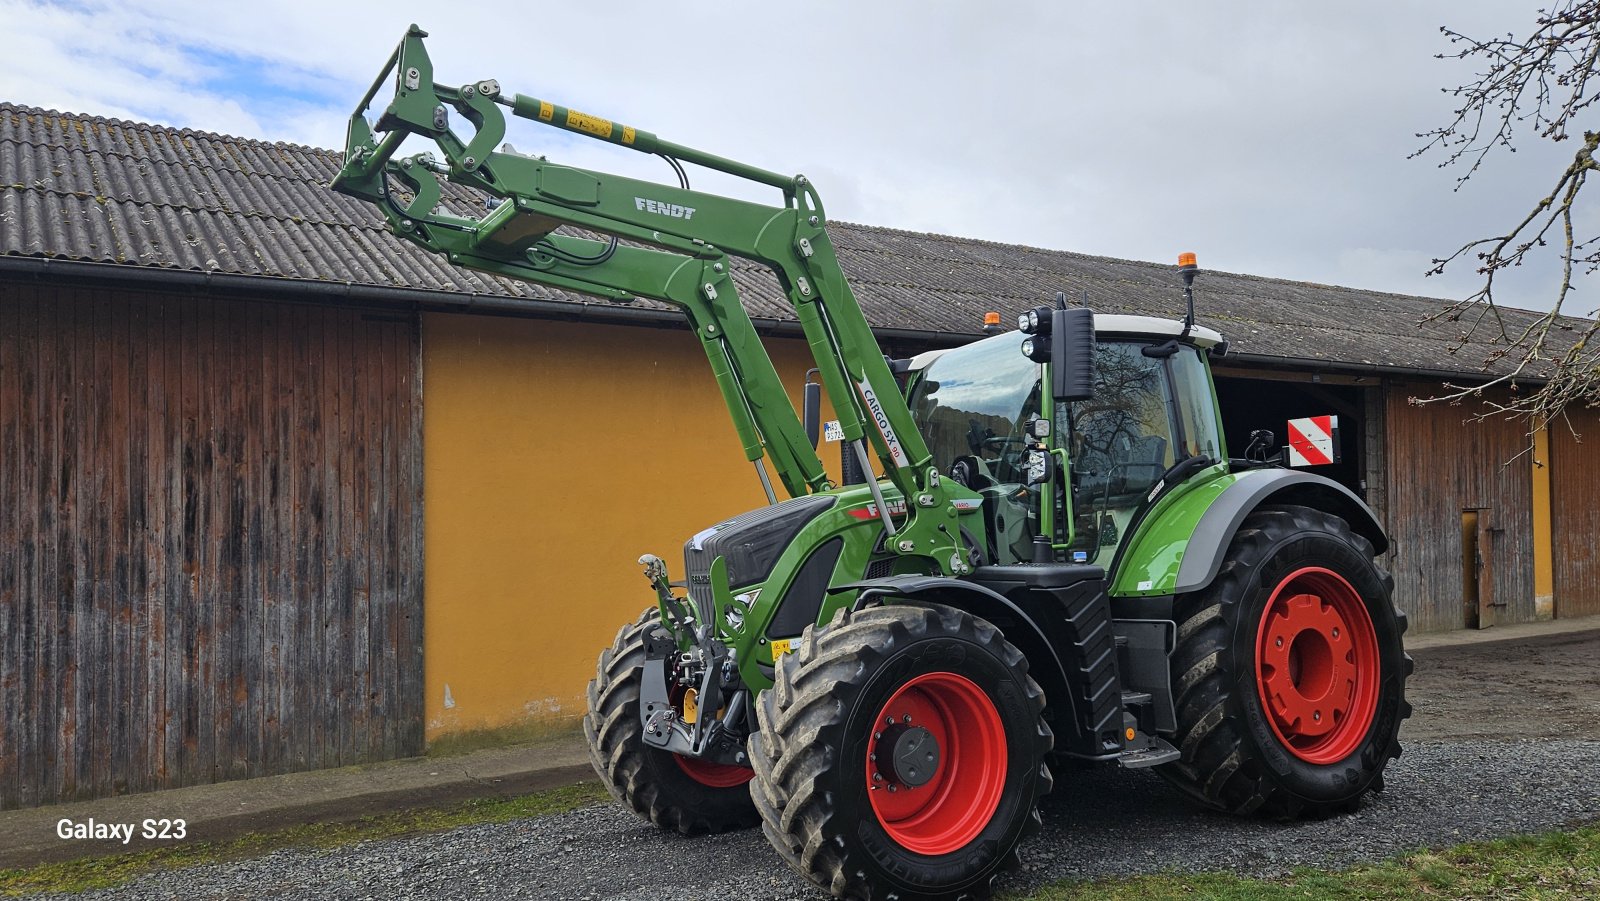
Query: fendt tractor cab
{"points": [[1049, 554]]}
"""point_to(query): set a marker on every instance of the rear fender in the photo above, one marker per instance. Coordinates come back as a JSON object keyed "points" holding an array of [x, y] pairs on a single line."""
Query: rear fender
{"points": [[1216, 529], [1181, 548]]}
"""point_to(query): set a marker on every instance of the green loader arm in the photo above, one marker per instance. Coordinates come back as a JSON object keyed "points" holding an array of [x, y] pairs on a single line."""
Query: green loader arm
{"points": [[665, 243]]}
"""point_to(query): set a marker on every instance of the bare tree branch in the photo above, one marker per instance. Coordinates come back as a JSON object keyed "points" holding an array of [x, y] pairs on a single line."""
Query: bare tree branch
{"points": [[1537, 85]]}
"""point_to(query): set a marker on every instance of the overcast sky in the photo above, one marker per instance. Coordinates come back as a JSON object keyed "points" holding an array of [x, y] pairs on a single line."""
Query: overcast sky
{"points": [[1270, 138]]}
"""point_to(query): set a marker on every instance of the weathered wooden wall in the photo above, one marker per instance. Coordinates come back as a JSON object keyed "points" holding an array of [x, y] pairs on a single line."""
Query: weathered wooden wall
{"points": [[1575, 512], [1440, 463], [210, 541]]}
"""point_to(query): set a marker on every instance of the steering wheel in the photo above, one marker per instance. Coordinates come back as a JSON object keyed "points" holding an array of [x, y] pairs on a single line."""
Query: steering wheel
{"points": [[1008, 451], [1001, 442]]}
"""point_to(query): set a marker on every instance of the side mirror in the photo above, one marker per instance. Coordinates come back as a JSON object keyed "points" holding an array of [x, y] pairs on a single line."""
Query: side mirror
{"points": [[1072, 354]]}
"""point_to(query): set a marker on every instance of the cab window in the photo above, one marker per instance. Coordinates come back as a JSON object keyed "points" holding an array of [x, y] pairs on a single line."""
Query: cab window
{"points": [[1121, 441], [1197, 408]]}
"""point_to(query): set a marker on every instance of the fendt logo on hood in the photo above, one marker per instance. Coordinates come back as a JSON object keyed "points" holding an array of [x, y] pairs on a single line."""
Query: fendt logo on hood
{"points": [[647, 205]]}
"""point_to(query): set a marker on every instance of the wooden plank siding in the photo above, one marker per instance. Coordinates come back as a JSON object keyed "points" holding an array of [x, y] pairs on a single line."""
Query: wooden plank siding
{"points": [[1440, 462], [1575, 512], [210, 540]]}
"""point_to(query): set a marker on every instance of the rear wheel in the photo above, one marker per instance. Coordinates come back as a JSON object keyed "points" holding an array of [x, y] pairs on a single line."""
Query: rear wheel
{"points": [[901, 754], [674, 792], [1289, 671]]}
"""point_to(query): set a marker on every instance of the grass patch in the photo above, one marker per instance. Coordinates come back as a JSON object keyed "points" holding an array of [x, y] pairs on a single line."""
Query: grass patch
{"points": [[533, 732], [104, 872], [1549, 865]]}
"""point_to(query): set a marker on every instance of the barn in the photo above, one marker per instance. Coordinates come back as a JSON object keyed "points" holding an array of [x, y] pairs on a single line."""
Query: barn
{"points": [[281, 492]]}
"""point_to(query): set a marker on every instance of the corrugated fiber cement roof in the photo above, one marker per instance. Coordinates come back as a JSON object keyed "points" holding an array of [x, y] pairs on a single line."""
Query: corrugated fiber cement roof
{"points": [[102, 190]]}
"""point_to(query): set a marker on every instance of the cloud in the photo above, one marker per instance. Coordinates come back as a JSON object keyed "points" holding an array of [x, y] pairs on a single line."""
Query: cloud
{"points": [[1271, 139]]}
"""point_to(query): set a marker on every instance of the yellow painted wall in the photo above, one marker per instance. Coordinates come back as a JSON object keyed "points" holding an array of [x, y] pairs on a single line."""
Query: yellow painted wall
{"points": [[1544, 590], [556, 453]]}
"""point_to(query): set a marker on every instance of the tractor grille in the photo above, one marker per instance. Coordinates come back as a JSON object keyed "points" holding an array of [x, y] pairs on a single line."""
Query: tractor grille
{"points": [[751, 544], [698, 574], [880, 569]]}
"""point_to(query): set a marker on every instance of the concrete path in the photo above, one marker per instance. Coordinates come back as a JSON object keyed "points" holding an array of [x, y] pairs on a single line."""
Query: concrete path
{"points": [[1427, 640], [230, 809]]}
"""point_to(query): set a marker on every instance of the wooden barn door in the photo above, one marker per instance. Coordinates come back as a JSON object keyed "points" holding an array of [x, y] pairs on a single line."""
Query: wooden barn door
{"points": [[1442, 463], [210, 541], [1575, 512]]}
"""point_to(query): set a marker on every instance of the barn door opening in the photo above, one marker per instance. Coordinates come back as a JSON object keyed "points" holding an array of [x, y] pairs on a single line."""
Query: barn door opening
{"points": [[1477, 569], [1252, 401]]}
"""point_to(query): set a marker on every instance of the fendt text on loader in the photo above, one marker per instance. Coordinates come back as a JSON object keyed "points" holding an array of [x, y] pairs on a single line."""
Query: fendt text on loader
{"points": [[1059, 561]]}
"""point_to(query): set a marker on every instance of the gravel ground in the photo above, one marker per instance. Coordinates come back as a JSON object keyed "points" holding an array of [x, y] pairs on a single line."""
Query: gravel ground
{"points": [[1462, 778], [1099, 822]]}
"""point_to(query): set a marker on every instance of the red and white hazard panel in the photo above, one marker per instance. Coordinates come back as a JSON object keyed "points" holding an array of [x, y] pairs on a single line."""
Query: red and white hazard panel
{"points": [[1314, 441]]}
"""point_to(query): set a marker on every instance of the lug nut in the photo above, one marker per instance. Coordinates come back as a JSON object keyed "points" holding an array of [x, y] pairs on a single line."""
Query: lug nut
{"points": [[908, 717], [1279, 642]]}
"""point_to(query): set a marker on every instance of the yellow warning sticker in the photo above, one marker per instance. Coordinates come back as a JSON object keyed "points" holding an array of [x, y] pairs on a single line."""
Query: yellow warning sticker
{"points": [[628, 134], [781, 646], [592, 124], [546, 111]]}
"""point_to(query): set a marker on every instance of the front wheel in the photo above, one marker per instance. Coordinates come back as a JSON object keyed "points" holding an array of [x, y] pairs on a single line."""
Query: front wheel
{"points": [[679, 793], [901, 754], [1289, 671]]}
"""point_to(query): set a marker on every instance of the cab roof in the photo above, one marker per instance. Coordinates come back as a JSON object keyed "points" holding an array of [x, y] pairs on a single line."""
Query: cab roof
{"points": [[1108, 325]]}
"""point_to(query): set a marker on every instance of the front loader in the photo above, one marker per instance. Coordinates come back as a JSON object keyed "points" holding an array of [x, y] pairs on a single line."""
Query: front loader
{"points": [[1050, 557]]}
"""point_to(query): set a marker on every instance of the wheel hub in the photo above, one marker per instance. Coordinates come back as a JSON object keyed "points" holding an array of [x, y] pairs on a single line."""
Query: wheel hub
{"points": [[936, 763], [908, 755], [1308, 667], [1317, 666]]}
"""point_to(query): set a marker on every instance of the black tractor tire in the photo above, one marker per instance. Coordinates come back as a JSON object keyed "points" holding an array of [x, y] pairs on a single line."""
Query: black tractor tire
{"points": [[820, 724], [654, 783], [1331, 643]]}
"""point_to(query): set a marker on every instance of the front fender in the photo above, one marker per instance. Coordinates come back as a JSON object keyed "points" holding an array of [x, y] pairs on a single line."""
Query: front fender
{"points": [[1181, 544], [1044, 663]]}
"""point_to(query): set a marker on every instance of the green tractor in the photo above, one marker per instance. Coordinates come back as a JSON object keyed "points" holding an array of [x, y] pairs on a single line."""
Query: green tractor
{"points": [[1043, 553]]}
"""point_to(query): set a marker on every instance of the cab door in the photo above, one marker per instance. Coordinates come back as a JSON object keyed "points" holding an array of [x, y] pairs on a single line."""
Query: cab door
{"points": [[1153, 407]]}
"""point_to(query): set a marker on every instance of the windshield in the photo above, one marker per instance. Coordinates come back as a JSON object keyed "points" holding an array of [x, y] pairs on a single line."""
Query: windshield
{"points": [[971, 406]]}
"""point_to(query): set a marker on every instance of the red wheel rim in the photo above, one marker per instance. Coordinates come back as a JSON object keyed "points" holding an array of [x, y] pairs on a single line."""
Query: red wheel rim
{"points": [[1317, 665], [959, 798], [714, 775]]}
